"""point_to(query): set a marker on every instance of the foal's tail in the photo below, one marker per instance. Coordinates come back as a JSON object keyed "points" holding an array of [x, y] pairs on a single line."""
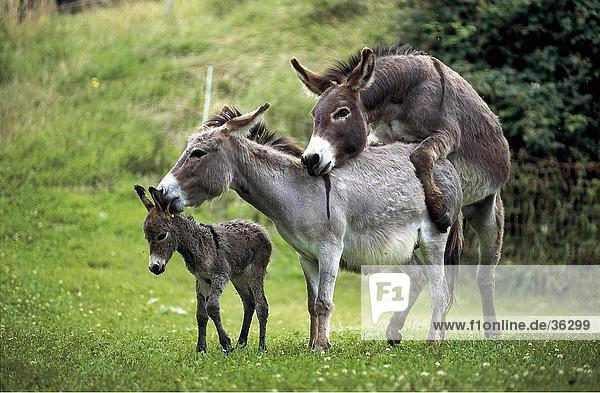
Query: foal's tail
{"points": [[452, 255]]}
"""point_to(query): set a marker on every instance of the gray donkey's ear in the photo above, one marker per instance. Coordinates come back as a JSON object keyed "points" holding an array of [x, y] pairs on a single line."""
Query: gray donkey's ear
{"points": [[143, 197], [156, 197], [241, 125], [362, 74], [315, 83]]}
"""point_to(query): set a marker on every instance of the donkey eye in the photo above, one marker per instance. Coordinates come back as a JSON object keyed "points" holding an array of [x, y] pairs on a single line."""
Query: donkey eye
{"points": [[161, 237], [341, 113], [198, 153]]}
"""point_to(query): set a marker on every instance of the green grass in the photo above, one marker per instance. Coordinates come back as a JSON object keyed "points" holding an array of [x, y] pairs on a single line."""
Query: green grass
{"points": [[75, 290]]}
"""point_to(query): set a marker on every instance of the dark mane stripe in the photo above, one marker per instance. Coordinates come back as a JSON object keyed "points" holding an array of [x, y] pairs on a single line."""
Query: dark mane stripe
{"points": [[258, 133], [342, 69]]}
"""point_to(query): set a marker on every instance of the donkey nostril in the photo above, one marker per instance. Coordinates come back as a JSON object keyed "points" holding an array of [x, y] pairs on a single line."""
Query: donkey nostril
{"points": [[303, 160]]}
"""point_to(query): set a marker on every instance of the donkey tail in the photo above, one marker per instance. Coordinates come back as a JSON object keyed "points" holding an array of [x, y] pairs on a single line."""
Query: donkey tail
{"points": [[452, 255]]}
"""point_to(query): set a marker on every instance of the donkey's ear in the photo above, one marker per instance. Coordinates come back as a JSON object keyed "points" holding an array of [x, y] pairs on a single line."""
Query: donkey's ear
{"points": [[156, 197], [241, 125], [363, 72], [143, 197], [315, 83]]}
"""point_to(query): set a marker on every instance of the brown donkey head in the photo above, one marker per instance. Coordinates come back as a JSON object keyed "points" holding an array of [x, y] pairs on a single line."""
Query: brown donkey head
{"points": [[339, 120], [158, 230]]}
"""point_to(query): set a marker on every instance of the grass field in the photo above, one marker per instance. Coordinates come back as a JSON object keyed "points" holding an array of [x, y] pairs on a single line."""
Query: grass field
{"points": [[79, 309]]}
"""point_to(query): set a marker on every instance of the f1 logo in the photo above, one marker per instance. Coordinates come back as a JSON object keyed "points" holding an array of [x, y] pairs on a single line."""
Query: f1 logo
{"points": [[388, 292]]}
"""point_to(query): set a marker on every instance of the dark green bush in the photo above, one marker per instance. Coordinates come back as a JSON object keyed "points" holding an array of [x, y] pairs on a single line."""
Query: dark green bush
{"points": [[534, 62]]}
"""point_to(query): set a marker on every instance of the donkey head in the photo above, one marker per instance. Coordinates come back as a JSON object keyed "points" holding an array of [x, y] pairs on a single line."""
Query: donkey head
{"points": [[203, 171], [158, 229], [339, 120]]}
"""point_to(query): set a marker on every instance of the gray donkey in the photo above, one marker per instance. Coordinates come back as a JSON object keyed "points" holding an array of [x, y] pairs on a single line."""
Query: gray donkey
{"points": [[237, 250], [378, 211], [409, 96]]}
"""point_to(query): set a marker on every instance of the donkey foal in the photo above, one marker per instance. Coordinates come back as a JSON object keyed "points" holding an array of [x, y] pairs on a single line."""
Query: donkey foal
{"points": [[237, 250]]}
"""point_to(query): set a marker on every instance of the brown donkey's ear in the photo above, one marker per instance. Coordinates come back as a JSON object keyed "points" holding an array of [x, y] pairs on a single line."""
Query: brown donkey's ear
{"points": [[316, 84], [241, 125], [362, 73], [156, 197], [143, 197]]}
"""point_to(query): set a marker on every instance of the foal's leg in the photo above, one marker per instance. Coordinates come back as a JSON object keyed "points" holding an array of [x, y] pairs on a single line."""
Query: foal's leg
{"points": [[311, 274], [241, 286], [417, 282], [201, 314], [256, 276], [433, 244], [214, 312], [488, 222], [436, 146]]}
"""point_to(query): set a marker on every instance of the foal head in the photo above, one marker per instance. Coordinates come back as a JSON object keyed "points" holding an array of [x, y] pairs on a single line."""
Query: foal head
{"points": [[203, 171], [158, 230], [339, 120]]}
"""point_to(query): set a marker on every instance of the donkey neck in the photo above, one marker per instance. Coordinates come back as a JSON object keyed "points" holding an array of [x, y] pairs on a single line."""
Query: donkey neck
{"points": [[194, 241], [268, 179]]}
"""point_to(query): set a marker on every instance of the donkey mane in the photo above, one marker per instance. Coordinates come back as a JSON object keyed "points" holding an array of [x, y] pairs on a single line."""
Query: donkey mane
{"points": [[340, 71], [258, 133]]}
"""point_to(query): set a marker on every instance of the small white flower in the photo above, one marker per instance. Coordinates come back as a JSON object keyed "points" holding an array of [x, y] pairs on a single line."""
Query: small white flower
{"points": [[424, 374], [485, 364], [441, 373]]}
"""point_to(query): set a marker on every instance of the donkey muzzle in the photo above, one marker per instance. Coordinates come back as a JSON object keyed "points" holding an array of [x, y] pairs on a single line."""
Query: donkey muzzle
{"points": [[156, 265]]}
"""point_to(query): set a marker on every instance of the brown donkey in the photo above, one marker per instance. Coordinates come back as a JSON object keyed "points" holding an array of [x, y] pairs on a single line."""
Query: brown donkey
{"points": [[399, 94]]}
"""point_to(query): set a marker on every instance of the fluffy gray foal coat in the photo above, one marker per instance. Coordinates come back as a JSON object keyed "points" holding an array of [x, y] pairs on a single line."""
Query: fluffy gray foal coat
{"points": [[215, 254]]}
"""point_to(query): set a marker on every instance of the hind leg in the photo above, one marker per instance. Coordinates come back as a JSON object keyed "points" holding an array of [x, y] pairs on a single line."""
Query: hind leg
{"points": [[256, 277], [241, 285], [433, 244], [436, 146], [417, 282], [488, 223]]}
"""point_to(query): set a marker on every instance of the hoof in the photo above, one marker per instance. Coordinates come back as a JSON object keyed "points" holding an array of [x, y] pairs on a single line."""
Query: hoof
{"points": [[433, 342], [226, 345], [397, 339], [201, 348], [241, 344], [262, 347], [443, 223], [492, 335], [321, 346]]}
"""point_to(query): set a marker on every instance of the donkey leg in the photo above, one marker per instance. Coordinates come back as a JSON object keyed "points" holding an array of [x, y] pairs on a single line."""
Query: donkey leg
{"points": [[241, 286], [436, 146], [433, 244], [201, 314], [488, 222], [214, 310], [417, 281], [311, 274], [329, 264], [256, 282]]}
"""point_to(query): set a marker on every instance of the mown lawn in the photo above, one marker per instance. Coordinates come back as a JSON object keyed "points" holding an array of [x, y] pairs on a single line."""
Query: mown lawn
{"points": [[79, 309]]}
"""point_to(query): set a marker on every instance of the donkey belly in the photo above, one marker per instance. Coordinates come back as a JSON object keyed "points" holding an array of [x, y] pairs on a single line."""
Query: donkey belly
{"points": [[379, 248], [480, 177]]}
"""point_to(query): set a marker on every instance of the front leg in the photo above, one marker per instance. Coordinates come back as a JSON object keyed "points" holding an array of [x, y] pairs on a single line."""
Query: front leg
{"points": [[436, 146], [201, 314], [217, 286], [329, 264], [311, 274]]}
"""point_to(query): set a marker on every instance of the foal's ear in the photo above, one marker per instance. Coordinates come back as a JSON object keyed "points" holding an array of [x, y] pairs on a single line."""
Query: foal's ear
{"points": [[143, 197], [315, 83], [241, 125], [156, 197], [363, 72]]}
